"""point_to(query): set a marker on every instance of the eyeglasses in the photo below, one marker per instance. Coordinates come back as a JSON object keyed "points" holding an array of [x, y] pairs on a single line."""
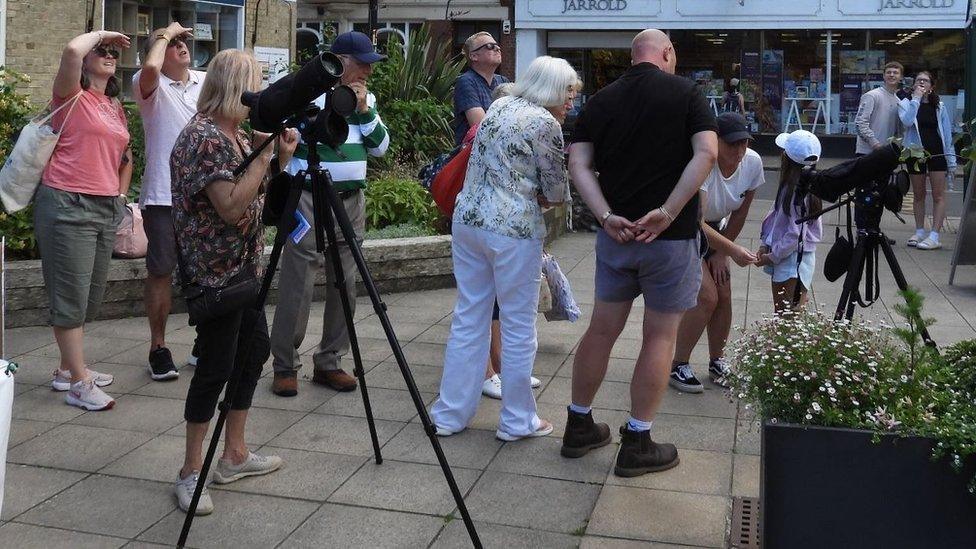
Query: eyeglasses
{"points": [[490, 46], [105, 52]]}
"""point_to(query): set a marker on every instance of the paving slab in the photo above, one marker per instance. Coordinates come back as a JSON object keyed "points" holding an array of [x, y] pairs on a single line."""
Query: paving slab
{"points": [[22, 430], [137, 413], [542, 503], [695, 432], [26, 486], [471, 448], [391, 404], [658, 515], [77, 447], [29, 536], [598, 542], [43, 404], [698, 473], [263, 424], [401, 486], [305, 475], [239, 520], [745, 475], [159, 459], [105, 505], [345, 526], [455, 536], [540, 457], [335, 434]]}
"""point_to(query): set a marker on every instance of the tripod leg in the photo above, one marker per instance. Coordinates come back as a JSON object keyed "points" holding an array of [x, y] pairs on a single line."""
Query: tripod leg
{"points": [[324, 219], [349, 234], [845, 305], [900, 280]]}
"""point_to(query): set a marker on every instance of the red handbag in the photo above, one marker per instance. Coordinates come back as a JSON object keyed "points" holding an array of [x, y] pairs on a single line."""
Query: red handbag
{"points": [[449, 181]]}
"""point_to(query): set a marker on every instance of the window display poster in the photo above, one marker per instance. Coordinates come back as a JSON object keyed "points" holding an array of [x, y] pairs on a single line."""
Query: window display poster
{"points": [[750, 72], [862, 61], [850, 92], [274, 63], [772, 84]]}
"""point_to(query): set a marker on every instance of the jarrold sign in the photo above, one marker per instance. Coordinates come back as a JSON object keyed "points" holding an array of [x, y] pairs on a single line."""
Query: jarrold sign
{"points": [[899, 4], [593, 5]]}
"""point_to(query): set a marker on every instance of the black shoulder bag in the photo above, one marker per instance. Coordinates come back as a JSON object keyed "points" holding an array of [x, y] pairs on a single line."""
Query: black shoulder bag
{"points": [[205, 303]]}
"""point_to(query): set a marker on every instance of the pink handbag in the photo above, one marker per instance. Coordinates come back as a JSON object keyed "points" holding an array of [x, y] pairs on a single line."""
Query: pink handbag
{"points": [[130, 238]]}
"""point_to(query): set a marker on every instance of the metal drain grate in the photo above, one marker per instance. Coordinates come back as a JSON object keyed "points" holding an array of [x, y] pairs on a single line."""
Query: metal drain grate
{"points": [[745, 523]]}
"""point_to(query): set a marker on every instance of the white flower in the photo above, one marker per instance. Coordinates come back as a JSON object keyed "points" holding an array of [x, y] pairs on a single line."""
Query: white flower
{"points": [[817, 408]]}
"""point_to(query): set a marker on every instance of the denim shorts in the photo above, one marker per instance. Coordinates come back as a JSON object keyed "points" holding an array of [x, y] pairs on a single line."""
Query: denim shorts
{"points": [[787, 269], [667, 272]]}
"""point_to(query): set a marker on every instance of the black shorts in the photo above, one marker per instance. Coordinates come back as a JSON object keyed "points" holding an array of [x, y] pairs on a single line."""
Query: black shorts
{"points": [[934, 164]]}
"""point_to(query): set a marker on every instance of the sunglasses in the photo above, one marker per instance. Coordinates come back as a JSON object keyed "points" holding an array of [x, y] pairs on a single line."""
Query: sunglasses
{"points": [[490, 46], [105, 52]]}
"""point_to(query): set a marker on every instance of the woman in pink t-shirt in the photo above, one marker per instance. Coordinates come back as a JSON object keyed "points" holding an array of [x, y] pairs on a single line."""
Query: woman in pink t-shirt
{"points": [[79, 204]]}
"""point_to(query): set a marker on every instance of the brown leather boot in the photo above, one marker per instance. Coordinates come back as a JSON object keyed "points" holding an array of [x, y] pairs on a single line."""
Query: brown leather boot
{"points": [[640, 455], [285, 384], [582, 434], [336, 379]]}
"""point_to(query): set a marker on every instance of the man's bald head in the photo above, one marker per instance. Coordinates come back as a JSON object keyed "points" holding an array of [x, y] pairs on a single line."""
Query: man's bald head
{"points": [[653, 46]]}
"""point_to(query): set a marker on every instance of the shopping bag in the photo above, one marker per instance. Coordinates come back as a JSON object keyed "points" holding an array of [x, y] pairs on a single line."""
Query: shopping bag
{"points": [[6, 407], [130, 238], [545, 295], [21, 172], [564, 306]]}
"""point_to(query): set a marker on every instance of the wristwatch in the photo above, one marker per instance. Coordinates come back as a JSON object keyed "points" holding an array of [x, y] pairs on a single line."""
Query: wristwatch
{"points": [[605, 217]]}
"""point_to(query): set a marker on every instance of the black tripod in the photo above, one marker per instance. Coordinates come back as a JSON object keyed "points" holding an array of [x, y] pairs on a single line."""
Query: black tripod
{"points": [[864, 259], [325, 199]]}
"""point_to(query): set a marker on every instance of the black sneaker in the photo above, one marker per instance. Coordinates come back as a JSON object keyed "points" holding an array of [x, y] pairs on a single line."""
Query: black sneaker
{"points": [[161, 366], [583, 434], [718, 372], [684, 380], [640, 455]]}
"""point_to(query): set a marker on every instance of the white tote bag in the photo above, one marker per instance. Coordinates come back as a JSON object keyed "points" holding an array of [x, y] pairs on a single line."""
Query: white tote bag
{"points": [[21, 173], [6, 407]]}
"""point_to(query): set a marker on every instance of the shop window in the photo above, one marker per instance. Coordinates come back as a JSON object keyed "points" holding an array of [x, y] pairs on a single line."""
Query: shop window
{"points": [[464, 29], [217, 27]]}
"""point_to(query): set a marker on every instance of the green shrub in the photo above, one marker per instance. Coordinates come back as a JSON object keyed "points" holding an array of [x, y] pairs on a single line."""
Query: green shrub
{"points": [[402, 230], [15, 111], [137, 142], [414, 93], [392, 200]]}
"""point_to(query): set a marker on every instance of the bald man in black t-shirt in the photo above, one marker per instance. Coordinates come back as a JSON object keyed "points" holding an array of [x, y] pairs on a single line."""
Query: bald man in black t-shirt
{"points": [[652, 137]]}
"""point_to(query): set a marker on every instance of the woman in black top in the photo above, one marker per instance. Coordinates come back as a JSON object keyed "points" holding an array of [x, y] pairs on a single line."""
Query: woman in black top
{"points": [[928, 125]]}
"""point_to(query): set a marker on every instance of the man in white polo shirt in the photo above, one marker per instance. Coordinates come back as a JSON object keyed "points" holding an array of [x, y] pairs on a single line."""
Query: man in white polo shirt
{"points": [[166, 92]]}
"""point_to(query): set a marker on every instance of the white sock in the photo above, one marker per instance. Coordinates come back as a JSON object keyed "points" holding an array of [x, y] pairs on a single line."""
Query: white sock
{"points": [[638, 426], [934, 236], [577, 409], [920, 233]]}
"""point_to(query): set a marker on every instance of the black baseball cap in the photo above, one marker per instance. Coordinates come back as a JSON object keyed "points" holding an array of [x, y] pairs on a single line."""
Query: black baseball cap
{"points": [[358, 45], [733, 127]]}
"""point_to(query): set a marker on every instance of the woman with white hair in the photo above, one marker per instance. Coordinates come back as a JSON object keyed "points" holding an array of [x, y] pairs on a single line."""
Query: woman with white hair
{"points": [[517, 166]]}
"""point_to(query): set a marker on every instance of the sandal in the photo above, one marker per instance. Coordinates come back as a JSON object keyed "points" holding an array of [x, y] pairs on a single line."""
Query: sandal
{"points": [[545, 428]]}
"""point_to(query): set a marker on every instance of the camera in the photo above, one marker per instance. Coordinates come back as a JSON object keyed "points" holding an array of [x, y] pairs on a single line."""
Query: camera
{"points": [[287, 101]]}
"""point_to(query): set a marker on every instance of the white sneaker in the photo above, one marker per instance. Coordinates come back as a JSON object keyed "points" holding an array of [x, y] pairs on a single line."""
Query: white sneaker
{"points": [[254, 465], [929, 244], [545, 429], [85, 394], [914, 240], [61, 379], [184, 494], [492, 387]]}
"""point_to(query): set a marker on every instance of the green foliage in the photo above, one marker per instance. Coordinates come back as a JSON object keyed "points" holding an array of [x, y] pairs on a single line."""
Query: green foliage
{"points": [[137, 142], [414, 92], [806, 368], [402, 230], [392, 200], [419, 130], [15, 111], [422, 70]]}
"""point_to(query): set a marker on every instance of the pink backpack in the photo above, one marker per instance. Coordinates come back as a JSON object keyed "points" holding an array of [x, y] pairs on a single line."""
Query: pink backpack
{"points": [[130, 238]]}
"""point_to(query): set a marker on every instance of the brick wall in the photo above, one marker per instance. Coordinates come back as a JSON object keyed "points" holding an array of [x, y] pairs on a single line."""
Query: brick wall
{"points": [[37, 31], [507, 42]]}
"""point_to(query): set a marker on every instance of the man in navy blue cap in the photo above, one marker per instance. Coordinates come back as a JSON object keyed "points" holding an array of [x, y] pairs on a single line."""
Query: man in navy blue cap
{"points": [[347, 164]]}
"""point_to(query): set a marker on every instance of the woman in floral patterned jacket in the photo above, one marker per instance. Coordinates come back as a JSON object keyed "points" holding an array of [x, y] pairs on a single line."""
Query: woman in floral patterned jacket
{"points": [[217, 218], [517, 167]]}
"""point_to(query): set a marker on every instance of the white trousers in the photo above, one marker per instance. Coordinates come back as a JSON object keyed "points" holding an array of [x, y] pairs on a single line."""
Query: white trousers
{"points": [[489, 265]]}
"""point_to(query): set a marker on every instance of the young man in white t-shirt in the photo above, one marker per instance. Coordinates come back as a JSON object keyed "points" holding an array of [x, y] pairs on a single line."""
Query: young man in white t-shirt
{"points": [[726, 196], [166, 91]]}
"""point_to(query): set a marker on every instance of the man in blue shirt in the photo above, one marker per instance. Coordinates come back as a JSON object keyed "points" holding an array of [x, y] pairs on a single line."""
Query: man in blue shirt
{"points": [[472, 92]]}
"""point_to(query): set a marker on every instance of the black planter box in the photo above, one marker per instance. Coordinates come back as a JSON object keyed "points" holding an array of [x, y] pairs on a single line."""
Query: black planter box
{"points": [[824, 487]]}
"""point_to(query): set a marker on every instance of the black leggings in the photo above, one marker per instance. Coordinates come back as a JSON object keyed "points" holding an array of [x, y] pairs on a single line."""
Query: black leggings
{"points": [[221, 343]]}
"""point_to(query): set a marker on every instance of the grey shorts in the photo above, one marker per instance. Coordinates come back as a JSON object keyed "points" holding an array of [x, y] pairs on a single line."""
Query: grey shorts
{"points": [[75, 233], [667, 272], [161, 254]]}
